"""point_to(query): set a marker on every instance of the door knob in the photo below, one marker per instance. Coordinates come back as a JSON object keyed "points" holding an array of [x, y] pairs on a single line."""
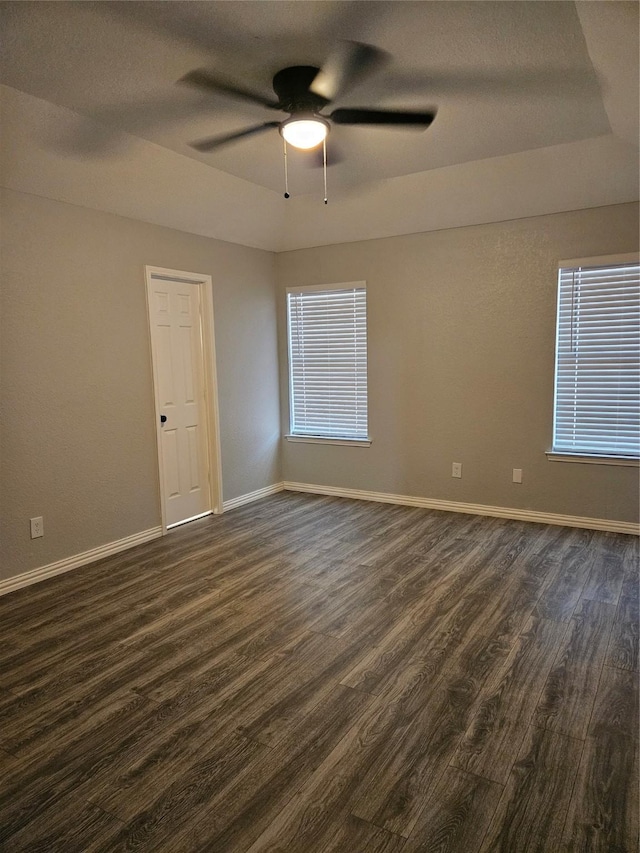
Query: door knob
{"points": [[163, 419]]}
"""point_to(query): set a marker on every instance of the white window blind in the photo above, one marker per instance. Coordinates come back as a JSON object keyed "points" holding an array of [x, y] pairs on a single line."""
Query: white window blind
{"points": [[597, 395], [328, 361]]}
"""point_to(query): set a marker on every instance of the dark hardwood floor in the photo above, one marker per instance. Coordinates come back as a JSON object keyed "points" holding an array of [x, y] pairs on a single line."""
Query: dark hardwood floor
{"points": [[316, 675]]}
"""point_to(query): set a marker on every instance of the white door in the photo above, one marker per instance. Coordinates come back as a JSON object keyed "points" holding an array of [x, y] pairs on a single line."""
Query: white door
{"points": [[181, 399]]}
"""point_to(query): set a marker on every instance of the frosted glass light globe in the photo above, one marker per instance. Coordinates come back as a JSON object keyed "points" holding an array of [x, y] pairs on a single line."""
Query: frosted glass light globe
{"points": [[304, 133]]}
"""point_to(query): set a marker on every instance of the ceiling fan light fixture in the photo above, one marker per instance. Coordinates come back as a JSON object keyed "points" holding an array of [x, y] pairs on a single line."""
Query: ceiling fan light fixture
{"points": [[304, 132]]}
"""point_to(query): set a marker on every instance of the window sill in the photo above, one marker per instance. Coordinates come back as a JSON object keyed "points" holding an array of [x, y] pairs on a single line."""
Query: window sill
{"points": [[625, 461], [321, 439]]}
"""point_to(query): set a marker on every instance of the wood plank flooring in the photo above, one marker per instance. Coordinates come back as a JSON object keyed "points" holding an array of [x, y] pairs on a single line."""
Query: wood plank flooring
{"points": [[309, 674]]}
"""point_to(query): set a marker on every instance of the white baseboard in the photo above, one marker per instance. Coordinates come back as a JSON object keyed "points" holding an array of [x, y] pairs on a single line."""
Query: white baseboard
{"points": [[57, 568], [252, 496], [68, 563], [472, 509]]}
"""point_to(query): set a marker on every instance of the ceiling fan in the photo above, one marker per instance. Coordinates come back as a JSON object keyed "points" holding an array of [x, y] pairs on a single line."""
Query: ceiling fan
{"points": [[304, 91]]}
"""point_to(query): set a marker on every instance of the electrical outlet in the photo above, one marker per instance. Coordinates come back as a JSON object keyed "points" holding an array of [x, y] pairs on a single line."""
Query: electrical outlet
{"points": [[37, 527], [456, 469], [517, 475]]}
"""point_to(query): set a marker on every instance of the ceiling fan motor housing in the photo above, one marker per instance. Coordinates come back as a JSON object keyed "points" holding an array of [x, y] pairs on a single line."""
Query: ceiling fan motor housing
{"points": [[291, 85]]}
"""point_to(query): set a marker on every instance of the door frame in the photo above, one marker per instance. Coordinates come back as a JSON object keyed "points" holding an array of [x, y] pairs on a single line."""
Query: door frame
{"points": [[210, 378]]}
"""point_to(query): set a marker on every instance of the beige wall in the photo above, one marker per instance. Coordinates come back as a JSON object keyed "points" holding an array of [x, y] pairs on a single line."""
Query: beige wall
{"points": [[78, 426], [461, 360], [461, 350]]}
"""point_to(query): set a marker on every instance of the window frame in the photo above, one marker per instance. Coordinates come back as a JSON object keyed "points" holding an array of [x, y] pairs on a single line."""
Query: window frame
{"points": [[566, 455], [320, 438]]}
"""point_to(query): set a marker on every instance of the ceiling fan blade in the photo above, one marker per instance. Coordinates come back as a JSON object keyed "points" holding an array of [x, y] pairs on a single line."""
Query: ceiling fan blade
{"points": [[204, 79], [213, 142], [351, 61], [382, 117]]}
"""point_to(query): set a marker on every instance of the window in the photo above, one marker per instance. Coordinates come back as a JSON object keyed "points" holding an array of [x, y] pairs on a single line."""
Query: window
{"points": [[327, 328], [597, 391]]}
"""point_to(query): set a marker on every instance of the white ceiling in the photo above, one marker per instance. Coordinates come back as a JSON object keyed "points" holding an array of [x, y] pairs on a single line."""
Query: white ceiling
{"points": [[91, 98]]}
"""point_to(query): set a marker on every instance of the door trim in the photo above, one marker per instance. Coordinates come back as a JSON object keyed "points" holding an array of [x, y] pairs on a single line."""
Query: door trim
{"points": [[212, 411]]}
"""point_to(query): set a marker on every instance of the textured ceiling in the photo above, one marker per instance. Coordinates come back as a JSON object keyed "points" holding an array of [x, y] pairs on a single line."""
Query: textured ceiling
{"points": [[505, 76], [508, 79]]}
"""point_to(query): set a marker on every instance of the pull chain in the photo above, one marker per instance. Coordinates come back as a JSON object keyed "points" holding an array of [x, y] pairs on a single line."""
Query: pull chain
{"points": [[286, 173], [286, 168], [324, 163]]}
